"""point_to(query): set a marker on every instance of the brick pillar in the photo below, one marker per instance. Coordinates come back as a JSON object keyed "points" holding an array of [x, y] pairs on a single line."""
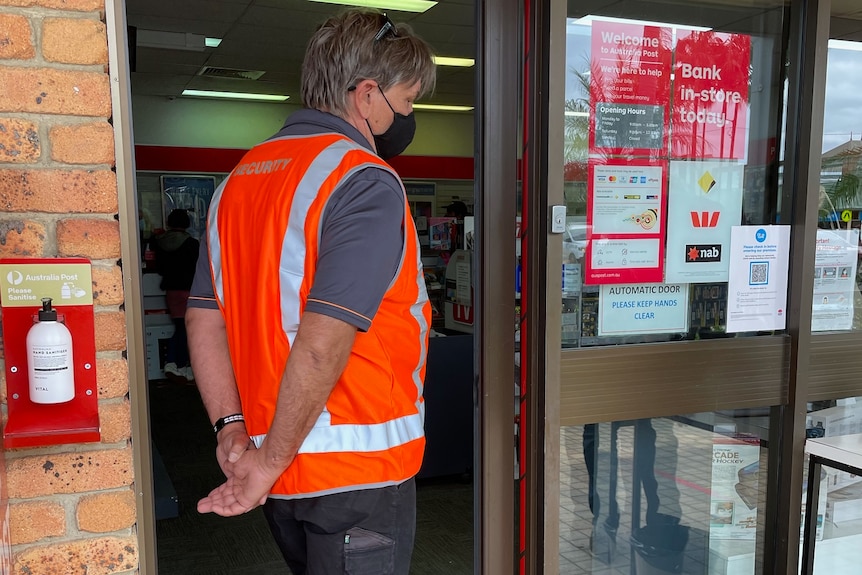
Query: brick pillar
{"points": [[72, 507]]}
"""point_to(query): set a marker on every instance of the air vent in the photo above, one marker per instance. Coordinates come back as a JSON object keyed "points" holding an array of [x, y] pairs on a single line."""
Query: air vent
{"points": [[215, 72]]}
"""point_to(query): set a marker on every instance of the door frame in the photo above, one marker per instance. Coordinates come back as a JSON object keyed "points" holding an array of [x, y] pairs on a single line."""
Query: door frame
{"points": [[124, 146], [498, 25], [541, 323], [498, 90]]}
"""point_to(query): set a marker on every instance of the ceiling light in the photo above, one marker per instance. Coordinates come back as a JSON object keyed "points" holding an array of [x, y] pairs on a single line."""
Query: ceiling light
{"points": [[170, 40], [442, 107], [460, 62], [397, 5], [845, 45], [235, 95], [589, 19], [212, 42]]}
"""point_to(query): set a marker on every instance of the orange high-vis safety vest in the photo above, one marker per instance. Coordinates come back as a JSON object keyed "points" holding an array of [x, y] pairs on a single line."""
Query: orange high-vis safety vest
{"points": [[263, 233]]}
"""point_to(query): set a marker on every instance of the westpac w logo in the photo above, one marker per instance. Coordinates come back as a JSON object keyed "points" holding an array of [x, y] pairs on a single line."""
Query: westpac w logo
{"points": [[704, 219]]}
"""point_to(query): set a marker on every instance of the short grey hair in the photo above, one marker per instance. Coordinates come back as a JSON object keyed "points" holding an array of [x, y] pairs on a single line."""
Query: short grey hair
{"points": [[344, 52]]}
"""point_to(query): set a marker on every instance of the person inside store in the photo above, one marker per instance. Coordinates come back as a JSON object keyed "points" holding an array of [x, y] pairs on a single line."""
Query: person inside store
{"points": [[309, 318], [176, 256], [457, 210]]}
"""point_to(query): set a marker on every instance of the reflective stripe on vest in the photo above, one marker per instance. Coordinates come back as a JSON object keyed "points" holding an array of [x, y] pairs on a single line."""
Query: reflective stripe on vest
{"points": [[332, 448], [327, 438]]}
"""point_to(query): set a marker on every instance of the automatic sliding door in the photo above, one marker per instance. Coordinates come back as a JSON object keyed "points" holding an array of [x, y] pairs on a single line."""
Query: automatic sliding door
{"points": [[673, 283]]}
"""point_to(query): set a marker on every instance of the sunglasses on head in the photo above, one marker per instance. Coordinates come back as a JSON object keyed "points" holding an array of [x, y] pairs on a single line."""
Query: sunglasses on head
{"points": [[387, 28]]}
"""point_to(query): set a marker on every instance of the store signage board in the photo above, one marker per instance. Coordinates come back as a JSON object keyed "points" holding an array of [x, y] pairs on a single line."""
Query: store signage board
{"points": [[629, 89], [625, 221], [704, 202], [710, 95], [834, 279], [65, 283], [643, 308], [757, 283]]}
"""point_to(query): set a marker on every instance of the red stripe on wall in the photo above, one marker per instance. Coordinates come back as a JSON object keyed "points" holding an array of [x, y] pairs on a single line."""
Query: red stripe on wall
{"points": [[223, 160]]}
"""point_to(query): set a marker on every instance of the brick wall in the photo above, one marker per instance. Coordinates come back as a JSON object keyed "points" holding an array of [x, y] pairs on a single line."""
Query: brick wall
{"points": [[72, 508]]}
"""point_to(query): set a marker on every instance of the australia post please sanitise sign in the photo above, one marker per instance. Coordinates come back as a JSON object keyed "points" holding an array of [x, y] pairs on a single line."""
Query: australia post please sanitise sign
{"points": [[710, 95]]}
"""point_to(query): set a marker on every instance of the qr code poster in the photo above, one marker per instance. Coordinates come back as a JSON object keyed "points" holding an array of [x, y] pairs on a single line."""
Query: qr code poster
{"points": [[757, 282]]}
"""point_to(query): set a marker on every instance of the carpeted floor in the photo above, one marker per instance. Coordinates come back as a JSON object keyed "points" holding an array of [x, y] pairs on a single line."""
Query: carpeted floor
{"points": [[195, 544]]}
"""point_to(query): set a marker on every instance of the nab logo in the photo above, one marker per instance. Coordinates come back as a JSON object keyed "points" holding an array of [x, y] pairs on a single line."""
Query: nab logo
{"points": [[704, 219], [695, 254]]}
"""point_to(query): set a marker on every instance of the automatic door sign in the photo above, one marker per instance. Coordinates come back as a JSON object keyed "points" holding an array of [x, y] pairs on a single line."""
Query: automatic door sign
{"points": [[644, 308]]}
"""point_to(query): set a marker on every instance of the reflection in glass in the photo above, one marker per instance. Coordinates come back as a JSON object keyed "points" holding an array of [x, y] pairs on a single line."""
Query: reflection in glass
{"points": [[679, 494], [839, 523], [837, 299]]}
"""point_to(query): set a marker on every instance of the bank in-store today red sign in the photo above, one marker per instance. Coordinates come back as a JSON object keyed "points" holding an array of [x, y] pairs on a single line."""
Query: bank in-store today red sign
{"points": [[629, 89], [710, 95]]}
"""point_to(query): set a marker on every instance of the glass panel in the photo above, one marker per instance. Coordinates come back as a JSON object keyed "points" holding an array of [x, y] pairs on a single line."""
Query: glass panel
{"points": [[839, 524], [671, 172], [838, 546], [836, 304], [680, 494]]}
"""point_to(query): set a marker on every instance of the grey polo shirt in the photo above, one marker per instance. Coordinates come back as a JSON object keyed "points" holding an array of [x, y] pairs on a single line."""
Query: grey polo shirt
{"points": [[361, 241]]}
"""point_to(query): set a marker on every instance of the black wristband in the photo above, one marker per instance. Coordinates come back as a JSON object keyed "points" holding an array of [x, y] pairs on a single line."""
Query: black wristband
{"points": [[221, 422]]}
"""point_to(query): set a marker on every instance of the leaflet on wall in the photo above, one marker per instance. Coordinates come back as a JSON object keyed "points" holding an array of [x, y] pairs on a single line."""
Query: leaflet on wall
{"points": [[644, 308], [441, 233], [834, 279], [757, 283], [733, 496], [625, 222], [704, 201], [629, 88], [710, 95]]}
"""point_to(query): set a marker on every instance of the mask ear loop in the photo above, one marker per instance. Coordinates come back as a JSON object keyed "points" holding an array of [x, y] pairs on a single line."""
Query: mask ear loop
{"points": [[353, 89]]}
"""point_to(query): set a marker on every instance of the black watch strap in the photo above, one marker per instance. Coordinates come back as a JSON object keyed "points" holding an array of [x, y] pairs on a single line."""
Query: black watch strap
{"points": [[222, 421]]}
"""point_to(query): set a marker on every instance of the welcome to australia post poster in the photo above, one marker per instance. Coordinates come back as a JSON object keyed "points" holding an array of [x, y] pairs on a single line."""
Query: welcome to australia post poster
{"points": [[630, 67]]}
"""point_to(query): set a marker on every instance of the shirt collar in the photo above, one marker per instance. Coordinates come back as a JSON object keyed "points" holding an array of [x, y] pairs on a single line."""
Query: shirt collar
{"points": [[309, 121]]}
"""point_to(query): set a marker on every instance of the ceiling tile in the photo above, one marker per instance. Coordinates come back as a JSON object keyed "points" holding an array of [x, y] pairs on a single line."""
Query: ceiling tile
{"points": [[271, 35]]}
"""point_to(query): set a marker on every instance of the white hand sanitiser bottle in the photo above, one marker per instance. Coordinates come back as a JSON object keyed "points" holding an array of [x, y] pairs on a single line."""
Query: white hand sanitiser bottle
{"points": [[49, 358]]}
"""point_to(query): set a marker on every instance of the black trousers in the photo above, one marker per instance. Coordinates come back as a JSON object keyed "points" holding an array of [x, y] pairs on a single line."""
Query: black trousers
{"points": [[368, 532]]}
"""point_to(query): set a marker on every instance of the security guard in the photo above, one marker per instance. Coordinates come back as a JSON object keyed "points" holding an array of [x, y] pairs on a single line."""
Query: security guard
{"points": [[308, 320]]}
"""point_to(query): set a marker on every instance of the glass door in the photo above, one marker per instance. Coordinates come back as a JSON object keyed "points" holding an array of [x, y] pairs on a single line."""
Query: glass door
{"points": [[666, 283]]}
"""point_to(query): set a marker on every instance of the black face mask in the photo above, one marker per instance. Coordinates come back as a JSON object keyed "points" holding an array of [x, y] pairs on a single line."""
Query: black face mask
{"points": [[398, 136]]}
